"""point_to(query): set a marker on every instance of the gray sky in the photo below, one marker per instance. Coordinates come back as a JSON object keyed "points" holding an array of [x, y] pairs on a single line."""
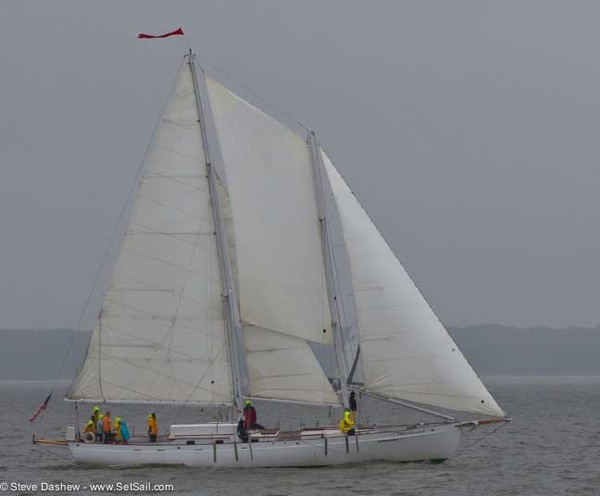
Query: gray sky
{"points": [[467, 129]]}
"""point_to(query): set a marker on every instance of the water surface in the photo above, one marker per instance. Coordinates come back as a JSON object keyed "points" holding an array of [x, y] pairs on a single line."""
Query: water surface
{"points": [[551, 448]]}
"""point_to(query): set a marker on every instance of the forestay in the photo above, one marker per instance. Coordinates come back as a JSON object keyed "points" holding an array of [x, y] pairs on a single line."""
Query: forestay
{"points": [[161, 334], [406, 352]]}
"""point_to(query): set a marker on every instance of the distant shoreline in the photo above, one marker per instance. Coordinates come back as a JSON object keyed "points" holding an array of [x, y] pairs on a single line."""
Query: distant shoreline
{"points": [[493, 351], [531, 379], [33, 382]]}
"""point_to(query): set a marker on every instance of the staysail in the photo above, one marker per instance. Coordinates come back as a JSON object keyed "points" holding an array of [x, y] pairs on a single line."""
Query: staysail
{"points": [[406, 352], [276, 250], [161, 334]]}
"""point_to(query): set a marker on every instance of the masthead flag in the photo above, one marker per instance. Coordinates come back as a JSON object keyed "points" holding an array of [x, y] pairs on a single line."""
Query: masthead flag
{"points": [[177, 32]]}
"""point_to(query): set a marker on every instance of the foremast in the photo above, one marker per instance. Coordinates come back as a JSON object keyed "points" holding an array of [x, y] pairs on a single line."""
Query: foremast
{"points": [[230, 300], [329, 261]]}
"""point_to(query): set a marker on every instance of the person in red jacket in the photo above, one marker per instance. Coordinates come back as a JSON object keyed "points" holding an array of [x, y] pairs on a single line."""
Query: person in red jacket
{"points": [[250, 417]]}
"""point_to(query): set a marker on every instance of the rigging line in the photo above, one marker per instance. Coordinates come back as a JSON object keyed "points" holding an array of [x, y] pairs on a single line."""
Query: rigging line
{"points": [[332, 290], [339, 300], [336, 273], [331, 247], [284, 114], [479, 441], [100, 355]]}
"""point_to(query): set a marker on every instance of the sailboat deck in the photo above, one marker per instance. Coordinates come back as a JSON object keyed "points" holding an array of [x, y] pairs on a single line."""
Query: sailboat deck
{"points": [[274, 435]]}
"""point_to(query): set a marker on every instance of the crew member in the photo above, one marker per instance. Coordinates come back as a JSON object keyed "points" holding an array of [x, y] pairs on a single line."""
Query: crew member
{"points": [[346, 424], [95, 414], [250, 417], [241, 431], [99, 428], [124, 431], [353, 405], [117, 431], [89, 431], [107, 428], [152, 427]]}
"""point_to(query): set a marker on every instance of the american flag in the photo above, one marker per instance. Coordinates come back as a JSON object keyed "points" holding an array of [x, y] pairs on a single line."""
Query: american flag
{"points": [[42, 407]]}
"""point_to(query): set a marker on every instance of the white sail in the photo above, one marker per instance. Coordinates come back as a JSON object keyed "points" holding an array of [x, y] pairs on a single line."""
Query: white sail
{"points": [[275, 246], [406, 352], [204, 253], [161, 336], [280, 366], [285, 368], [276, 234]]}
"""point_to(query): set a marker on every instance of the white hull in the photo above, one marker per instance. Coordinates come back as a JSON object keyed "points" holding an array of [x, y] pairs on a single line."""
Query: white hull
{"points": [[435, 442]]}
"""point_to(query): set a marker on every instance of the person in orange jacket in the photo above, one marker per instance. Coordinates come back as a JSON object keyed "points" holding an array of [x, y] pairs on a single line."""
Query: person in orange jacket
{"points": [[107, 428], [152, 427]]}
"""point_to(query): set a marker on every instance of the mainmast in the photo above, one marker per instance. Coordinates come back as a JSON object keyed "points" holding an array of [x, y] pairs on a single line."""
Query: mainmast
{"points": [[328, 258], [230, 302]]}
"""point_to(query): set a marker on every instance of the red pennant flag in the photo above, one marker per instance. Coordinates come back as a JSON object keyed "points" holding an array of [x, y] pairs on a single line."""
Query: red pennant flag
{"points": [[42, 407], [177, 32]]}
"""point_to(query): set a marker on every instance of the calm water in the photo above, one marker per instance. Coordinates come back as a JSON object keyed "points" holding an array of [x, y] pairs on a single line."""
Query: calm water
{"points": [[551, 448]]}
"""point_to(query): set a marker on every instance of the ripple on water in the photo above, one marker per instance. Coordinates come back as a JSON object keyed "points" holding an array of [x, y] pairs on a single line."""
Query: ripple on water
{"points": [[550, 449]]}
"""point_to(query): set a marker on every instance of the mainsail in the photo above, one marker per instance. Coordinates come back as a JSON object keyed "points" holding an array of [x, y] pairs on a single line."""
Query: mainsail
{"points": [[161, 334], [406, 352]]}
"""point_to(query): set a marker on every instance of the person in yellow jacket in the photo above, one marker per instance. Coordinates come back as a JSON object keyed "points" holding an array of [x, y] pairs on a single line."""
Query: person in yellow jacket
{"points": [[152, 427], [117, 431], [89, 432], [95, 414], [346, 424]]}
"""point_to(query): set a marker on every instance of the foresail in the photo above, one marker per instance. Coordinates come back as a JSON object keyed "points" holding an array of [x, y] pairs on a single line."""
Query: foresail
{"points": [[278, 254], [161, 333], [270, 353], [406, 352], [280, 367]]}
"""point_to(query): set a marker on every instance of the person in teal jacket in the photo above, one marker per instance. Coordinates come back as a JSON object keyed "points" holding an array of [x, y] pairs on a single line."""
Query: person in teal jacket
{"points": [[124, 432]]}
